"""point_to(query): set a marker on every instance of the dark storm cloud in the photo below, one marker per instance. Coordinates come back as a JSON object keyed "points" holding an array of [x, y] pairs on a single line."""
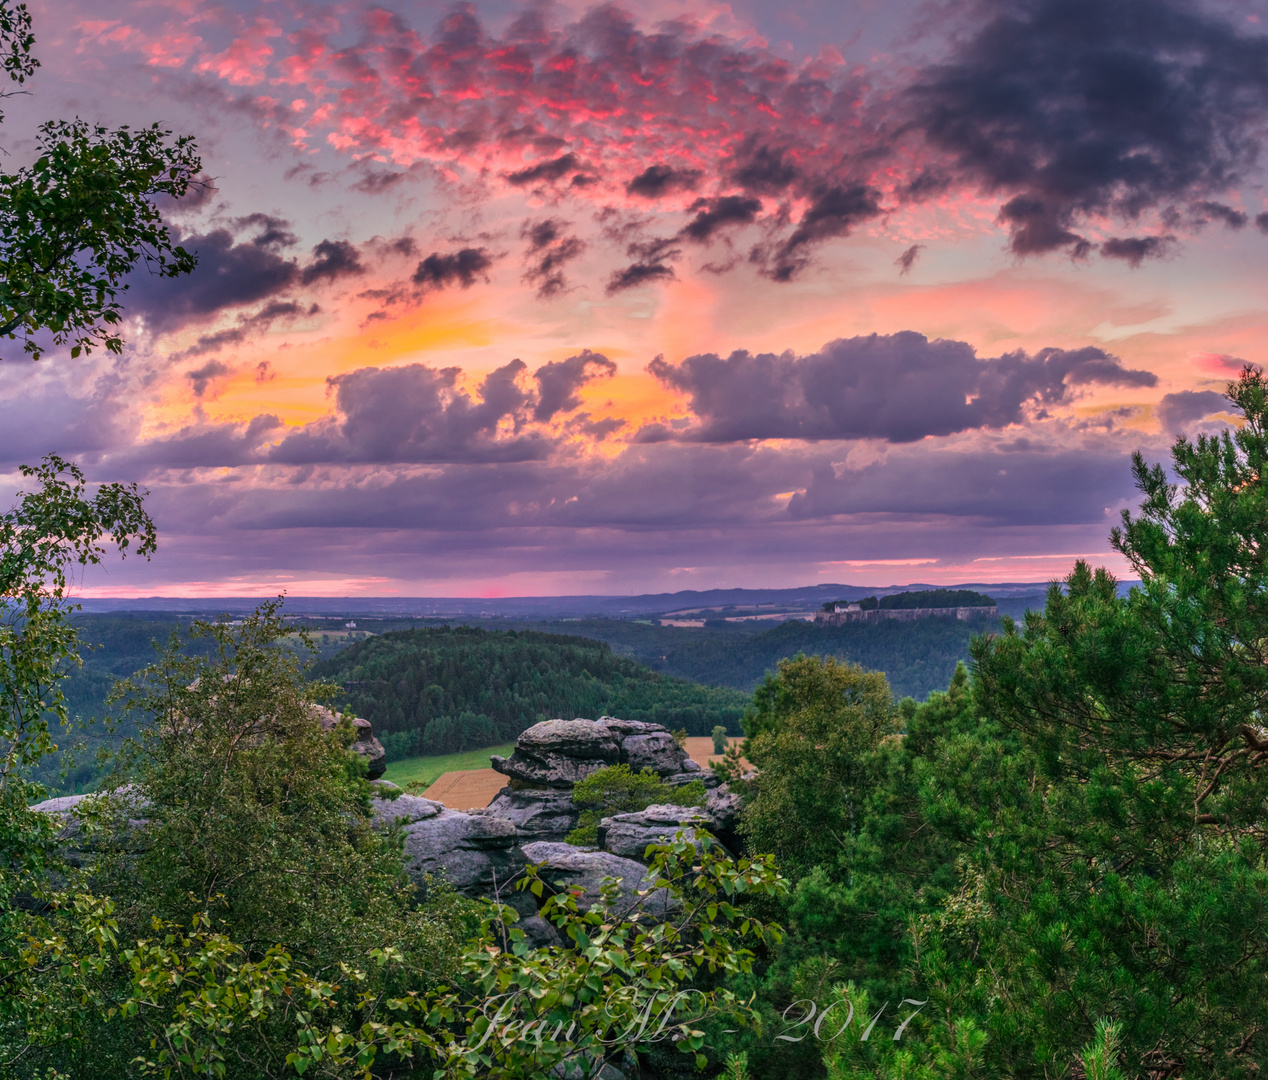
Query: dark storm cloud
{"points": [[201, 446], [1176, 411], [229, 274], [1073, 108], [559, 381], [332, 259], [1134, 250], [273, 232], [715, 214], [834, 212], [460, 267], [1215, 211], [551, 248], [639, 273], [764, 170], [658, 180], [547, 171], [900, 387], [417, 413]]}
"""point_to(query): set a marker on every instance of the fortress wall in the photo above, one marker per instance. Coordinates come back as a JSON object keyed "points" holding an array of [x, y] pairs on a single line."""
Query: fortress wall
{"points": [[837, 618]]}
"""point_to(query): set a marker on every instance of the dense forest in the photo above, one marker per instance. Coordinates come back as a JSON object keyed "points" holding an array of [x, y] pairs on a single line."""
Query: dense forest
{"points": [[917, 657], [920, 598], [443, 690]]}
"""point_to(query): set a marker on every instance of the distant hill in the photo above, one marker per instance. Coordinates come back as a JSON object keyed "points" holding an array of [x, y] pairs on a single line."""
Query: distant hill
{"points": [[444, 690], [807, 598], [916, 657]]}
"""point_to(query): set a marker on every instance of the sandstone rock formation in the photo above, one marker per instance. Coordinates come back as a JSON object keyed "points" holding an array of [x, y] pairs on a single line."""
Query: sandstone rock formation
{"points": [[566, 866], [558, 753], [478, 854], [628, 835], [538, 814], [366, 744]]}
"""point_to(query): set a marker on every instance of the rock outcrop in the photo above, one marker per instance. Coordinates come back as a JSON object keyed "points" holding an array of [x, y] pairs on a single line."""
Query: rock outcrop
{"points": [[538, 814], [558, 753], [628, 835], [566, 866], [365, 744], [478, 854]]}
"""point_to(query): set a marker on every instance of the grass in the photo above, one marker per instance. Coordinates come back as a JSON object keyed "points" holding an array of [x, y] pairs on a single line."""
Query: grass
{"points": [[426, 770]]}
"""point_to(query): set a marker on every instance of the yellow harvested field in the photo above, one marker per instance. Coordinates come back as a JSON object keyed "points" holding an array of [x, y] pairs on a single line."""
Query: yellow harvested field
{"points": [[470, 789], [473, 789]]}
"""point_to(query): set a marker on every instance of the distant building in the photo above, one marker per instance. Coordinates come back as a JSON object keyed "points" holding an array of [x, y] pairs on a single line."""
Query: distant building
{"points": [[351, 625], [856, 612]]}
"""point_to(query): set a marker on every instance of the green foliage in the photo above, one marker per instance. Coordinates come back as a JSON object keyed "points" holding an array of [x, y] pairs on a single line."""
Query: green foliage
{"points": [[809, 732], [256, 812], [619, 790], [1131, 884], [190, 1001], [77, 220], [47, 533], [719, 739], [492, 685], [255, 868], [73, 225]]}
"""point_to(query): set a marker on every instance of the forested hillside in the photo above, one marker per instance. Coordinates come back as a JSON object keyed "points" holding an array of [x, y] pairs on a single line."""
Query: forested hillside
{"points": [[917, 657], [444, 690]]}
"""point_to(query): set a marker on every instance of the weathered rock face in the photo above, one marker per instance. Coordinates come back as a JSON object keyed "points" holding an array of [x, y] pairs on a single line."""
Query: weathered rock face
{"points": [[558, 753], [366, 744], [539, 815], [566, 866], [724, 805], [628, 835], [477, 853]]}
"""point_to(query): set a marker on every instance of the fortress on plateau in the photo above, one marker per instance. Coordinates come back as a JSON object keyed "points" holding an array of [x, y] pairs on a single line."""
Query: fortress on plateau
{"points": [[959, 604]]}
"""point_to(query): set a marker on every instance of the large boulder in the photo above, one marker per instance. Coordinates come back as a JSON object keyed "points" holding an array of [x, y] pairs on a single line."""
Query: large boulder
{"points": [[539, 814], [559, 753], [478, 854], [655, 750], [566, 866], [628, 835]]}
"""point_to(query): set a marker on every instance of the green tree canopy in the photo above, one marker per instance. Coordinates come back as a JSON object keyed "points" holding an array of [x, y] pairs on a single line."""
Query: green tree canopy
{"points": [[78, 219]]}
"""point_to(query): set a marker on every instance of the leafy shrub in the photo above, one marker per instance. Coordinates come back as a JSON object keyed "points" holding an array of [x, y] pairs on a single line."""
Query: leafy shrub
{"points": [[619, 790], [719, 740]]}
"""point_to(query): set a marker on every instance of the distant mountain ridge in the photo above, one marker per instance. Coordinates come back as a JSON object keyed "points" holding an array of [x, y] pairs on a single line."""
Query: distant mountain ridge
{"points": [[808, 598]]}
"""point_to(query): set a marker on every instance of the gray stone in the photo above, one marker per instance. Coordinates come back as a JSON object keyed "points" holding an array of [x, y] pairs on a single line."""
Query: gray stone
{"points": [[539, 931], [622, 729], [539, 815], [477, 854], [707, 777], [567, 866], [723, 806], [558, 753], [364, 743], [404, 808], [655, 750], [628, 835]]}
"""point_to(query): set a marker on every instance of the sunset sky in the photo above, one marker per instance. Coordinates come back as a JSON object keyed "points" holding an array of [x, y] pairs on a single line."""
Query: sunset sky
{"points": [[512, 298]]}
